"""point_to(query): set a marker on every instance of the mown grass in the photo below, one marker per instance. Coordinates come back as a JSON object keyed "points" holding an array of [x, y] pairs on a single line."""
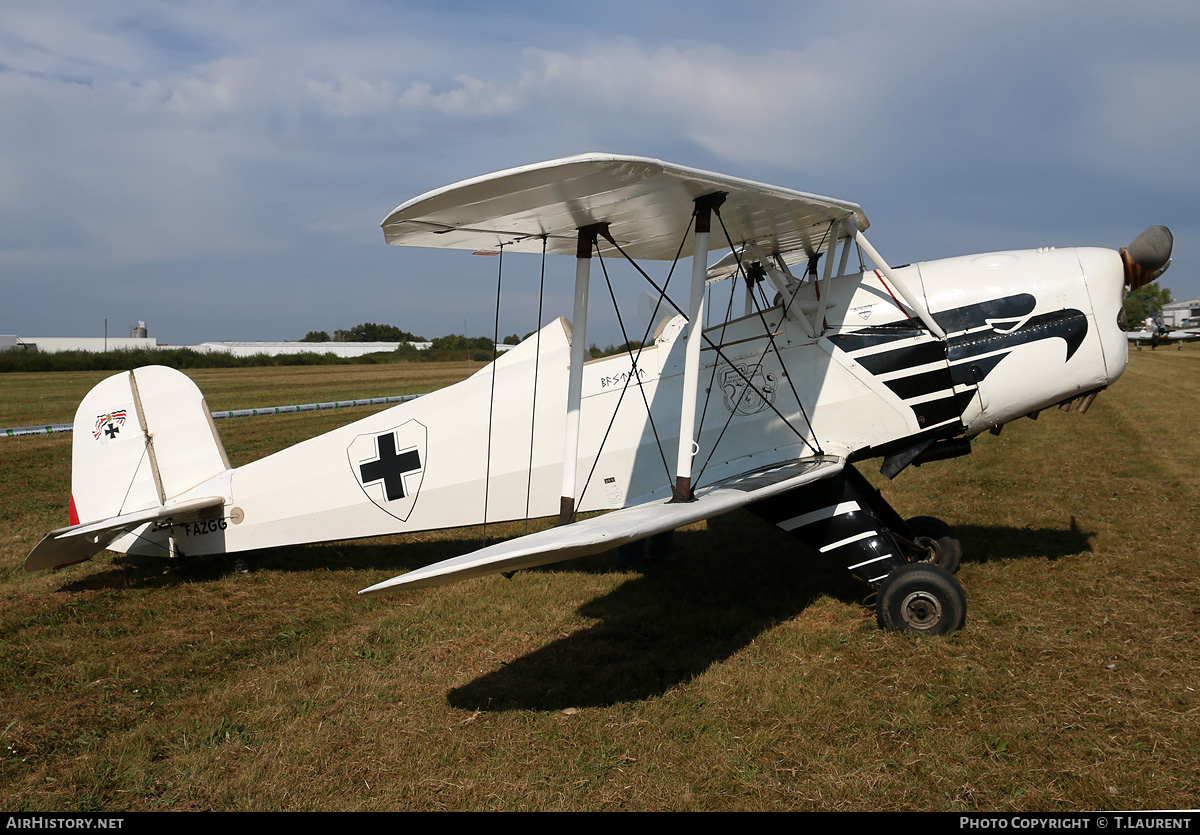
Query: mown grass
{"points": [[39, 398], [743, 676]]}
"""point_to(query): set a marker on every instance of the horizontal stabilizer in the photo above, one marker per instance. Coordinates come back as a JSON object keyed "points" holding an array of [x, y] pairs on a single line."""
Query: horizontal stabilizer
{"points": [[611, 530], [76, 543]]}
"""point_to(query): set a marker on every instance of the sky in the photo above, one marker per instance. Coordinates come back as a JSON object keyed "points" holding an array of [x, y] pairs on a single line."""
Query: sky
{"points": [[220, 169]]}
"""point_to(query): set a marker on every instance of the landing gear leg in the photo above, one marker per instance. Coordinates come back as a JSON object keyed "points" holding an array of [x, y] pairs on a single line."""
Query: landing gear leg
{"points": [[909, 563]]}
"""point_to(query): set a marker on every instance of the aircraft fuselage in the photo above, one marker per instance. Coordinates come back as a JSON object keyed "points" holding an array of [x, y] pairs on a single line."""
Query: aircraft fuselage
{"points": [[1025, 330]]}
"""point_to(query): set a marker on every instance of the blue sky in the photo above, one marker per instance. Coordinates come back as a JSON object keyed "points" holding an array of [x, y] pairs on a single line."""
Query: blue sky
{"points": [[220, 169]]}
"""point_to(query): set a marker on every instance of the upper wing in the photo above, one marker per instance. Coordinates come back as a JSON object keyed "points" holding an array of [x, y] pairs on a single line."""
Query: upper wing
{"points": [[646, 203], [601, 533]]}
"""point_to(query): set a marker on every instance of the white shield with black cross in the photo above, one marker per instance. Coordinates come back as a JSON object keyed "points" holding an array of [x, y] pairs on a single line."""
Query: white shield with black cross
{"points": [[389, 466]]}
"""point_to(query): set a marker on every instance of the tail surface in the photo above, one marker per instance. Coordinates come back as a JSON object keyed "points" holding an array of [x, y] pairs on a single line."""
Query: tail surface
{"points": [[142, 438]]}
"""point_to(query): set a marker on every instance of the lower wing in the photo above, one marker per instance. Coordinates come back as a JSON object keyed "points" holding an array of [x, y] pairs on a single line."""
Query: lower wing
{"points": [[611, 530]]}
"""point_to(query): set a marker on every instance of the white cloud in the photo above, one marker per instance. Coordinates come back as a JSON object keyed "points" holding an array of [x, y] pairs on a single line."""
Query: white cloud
{"points": [[116, 182], [42, 40]]}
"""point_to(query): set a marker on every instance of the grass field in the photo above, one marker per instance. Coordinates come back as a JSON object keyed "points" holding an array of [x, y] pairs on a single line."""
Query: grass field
{"points": [[743, 676]]}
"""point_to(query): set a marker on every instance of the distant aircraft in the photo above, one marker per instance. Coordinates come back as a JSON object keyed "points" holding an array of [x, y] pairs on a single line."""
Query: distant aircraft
{"points": [[1160, 336], [768, 409]]}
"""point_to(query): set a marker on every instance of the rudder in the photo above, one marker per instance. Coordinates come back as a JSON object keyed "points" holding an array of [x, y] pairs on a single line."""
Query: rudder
{"points": [[141, 439]]}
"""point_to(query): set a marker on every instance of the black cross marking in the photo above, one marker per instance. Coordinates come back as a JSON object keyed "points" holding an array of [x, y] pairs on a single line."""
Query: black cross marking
{"points": [[111, 431], [390, 468]]}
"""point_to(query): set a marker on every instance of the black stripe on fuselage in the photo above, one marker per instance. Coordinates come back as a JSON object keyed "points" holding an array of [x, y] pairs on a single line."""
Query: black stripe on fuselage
{"points": [[875, 335], [973, 352], [973, 372], [909, 356], [918, 385], [1069, 325], [933, 412], [978, 315]]}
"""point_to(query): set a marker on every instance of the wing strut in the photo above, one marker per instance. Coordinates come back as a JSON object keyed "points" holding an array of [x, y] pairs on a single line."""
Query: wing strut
{"points": [[583, 270], [682, 491], [818, 321], [917, 307]]}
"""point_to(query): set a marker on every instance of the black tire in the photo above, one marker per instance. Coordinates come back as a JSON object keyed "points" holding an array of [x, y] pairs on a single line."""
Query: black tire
{"points": [[944, 547], [923, 599]]}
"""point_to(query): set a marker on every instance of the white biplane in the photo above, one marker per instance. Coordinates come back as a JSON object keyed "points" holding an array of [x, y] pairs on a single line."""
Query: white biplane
{"points": [[769, 409], [1162, 336]]}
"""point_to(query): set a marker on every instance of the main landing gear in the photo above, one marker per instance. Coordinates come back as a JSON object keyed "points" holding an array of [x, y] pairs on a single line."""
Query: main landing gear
{"points": [[924, 597], [910, 563]]}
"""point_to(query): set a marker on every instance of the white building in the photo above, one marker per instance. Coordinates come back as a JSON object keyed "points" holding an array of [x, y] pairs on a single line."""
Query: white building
{"points": [[341, 349], [93, 344], [1185, 314], [98, 344]]}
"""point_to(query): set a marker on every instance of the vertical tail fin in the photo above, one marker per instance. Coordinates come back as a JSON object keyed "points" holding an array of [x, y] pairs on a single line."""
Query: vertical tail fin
{"points": [[142, 439]]}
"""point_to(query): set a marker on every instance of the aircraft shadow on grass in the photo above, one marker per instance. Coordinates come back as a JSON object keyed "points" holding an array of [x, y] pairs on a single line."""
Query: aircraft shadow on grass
{"points": [[677, 619], [664, 626], [667, 624]]}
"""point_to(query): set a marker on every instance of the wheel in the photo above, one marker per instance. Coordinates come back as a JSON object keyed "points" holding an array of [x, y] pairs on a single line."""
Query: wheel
{"points": [[921, 598], [944, 548]]}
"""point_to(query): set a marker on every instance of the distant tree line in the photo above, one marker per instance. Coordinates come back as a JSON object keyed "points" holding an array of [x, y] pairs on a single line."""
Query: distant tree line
{"points": [[629, 347], [442, 346], [454, 342], [127, 359], [1145, 301], [452, 348], [366, 332]]}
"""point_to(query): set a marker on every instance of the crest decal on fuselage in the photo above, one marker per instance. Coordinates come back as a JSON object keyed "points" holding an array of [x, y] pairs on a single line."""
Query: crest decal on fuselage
{"points": [[743, 399], [389, 466]]}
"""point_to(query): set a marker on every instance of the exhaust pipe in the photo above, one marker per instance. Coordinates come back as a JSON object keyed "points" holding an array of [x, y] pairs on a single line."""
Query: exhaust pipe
{"points": [[1086, 402]]}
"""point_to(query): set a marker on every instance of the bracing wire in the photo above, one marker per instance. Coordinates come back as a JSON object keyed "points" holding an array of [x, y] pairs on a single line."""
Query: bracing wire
{"points": [[537, 358], [635, 375], [771, 345], [714, 346], [771, 340], [487, 472]]}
